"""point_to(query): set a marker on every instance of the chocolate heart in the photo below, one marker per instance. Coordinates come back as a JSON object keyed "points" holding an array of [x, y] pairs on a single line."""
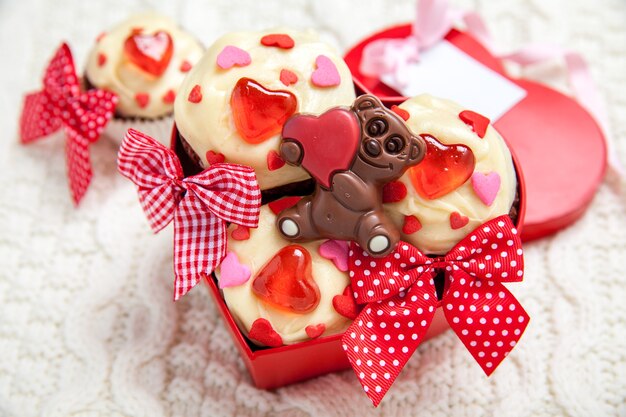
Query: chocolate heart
{"points": [[444, 168], [260, 113], [151, 53], [336, 129], [286, 281]]}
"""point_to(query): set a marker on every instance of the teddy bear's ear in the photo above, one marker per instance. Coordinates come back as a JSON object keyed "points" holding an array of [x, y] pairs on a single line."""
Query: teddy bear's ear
{"points": [[367, 102]]}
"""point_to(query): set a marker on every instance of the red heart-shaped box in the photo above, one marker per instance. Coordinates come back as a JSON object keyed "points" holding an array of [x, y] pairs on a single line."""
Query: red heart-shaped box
{"points": [[276, 367], [558, 143]]}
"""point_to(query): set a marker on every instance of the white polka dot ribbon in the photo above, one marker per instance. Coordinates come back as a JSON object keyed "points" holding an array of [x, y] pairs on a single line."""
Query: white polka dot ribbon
{"points": [[200, 205], [401, 300], [61, 104]]}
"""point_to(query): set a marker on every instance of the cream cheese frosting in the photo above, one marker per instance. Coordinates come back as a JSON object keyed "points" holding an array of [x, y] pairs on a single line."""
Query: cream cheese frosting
{"points": [[440, 118], [246, 307], [140, 93], [208, 125]]}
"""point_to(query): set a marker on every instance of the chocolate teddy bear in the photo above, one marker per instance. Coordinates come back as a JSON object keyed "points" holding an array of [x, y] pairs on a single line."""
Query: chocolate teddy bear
{"points": [[351, 153]]}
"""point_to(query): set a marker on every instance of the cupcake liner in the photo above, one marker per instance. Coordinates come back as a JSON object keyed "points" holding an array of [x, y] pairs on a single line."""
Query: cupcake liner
{"points": [[159, 129]]}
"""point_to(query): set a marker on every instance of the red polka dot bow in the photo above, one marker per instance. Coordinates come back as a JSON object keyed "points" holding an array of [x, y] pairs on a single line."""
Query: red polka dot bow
{"points": [[200, 205], [61, 104], [401, 300]]}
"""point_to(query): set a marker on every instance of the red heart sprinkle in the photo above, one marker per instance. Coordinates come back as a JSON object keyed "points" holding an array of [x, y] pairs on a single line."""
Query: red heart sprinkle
{"points": [[263, 332], [282, 204], [411, 225], [260, 113], [214, 158], [274, 161], [100, 36], [315, 331], [287, 77], [476, 121], [444, 168], [142, 99], [457, 220], [102, 59], [400, 112], [241, 233], [185, 66], [394, 191], [195, 95], [169, 97], [278, 40], [286, 281], [345, 305], [152, 53]]}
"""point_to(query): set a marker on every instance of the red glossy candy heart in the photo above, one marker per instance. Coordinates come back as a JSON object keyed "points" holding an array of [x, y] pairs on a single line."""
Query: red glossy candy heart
{"points": [[337, 129], [260, 113], [444, 168], [286, 281], [151, 53]]}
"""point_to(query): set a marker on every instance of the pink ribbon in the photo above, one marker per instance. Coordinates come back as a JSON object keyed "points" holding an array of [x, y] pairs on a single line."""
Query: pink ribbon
{"points": [[435, 18]]}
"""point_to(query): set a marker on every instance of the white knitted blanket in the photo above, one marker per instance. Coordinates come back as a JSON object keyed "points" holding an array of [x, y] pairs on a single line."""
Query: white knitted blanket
{"points": [[87, 326]]}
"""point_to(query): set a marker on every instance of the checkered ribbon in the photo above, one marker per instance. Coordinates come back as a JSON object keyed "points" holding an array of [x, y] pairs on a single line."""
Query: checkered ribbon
{"points": [[200, 205], [400, 297], [61, 104]]}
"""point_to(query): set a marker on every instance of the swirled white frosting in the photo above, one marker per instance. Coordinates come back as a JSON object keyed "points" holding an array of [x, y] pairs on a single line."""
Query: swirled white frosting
{"points": [[119, 75], [208, 125]]}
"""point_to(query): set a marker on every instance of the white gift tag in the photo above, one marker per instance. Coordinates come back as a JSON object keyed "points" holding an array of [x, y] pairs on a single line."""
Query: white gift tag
{"points": [[447, 72]]}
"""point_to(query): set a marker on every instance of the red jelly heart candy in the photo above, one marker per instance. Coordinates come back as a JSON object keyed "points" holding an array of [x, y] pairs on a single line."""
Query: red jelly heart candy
{"points": [[151, 53], [443, 169], [263, 332], [286, 281], [260, 113], [345, 305]]}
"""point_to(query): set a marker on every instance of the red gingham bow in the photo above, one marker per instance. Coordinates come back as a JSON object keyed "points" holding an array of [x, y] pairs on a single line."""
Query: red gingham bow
{"points": [[61, 103], [200, 205], [401, 301]]}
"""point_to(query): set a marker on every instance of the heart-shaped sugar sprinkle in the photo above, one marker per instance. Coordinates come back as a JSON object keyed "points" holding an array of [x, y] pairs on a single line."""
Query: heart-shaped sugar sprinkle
{"points": [[394, 191], [288, 77], [241, 233], [279, 40], [325, 74], [345, 305], [274, 161], [476, 121], [336, 251], [232, 56], [263, 332], [233, 273], [411, 225], [315, 331], [486, 186], [457, 220]]}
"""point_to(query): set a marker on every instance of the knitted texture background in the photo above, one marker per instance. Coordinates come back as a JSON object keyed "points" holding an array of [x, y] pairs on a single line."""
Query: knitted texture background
{"points": [[87, 326]]}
